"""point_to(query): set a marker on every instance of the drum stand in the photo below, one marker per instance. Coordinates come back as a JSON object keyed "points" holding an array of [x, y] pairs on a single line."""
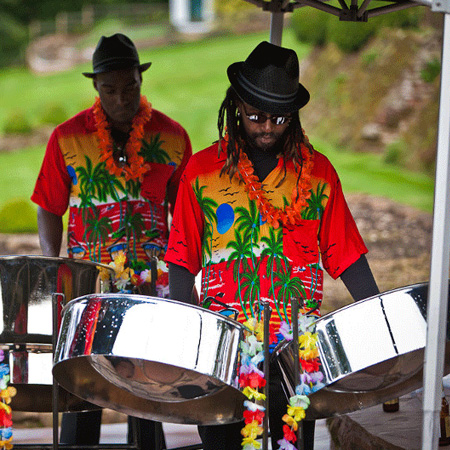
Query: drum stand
{"points": [[264, 305]]}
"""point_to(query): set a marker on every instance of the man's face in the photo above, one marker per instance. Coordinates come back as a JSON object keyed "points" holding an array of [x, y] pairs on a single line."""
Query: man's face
{"points": [[119, 93], [266, 135]]}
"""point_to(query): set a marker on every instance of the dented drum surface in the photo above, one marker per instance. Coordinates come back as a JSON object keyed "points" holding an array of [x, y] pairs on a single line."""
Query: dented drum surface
{"points": [[370, 352], [152, 358], [27, 285]]}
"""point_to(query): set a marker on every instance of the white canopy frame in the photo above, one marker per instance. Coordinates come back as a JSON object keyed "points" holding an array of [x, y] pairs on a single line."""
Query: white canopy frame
{"points": [[440, 251]]}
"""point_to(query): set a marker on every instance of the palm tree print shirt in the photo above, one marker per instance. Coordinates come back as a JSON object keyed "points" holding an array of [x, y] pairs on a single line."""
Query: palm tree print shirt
{"points": [[218, 230], [108, 214]]}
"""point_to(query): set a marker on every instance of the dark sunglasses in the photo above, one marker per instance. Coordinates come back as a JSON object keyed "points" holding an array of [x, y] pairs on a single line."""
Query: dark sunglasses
{"points": [[263, 118]]}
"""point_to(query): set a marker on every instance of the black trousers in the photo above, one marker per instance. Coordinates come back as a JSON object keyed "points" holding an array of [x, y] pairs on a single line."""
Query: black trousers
{"points": [[84, 429], [228, 437]]}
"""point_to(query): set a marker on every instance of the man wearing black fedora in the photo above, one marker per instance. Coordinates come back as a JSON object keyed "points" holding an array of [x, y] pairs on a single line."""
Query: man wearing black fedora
{"points": [[116, 168], [261, 213]]}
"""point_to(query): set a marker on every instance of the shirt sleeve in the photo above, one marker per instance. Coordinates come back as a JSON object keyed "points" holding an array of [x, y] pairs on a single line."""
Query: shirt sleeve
{"points": [[53, 184], [186, 232], [174, 182], [339, 239]]}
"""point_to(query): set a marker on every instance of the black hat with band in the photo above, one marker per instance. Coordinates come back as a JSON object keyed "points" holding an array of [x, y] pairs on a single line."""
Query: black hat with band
{"points": [[269, 80], [115, 52]]}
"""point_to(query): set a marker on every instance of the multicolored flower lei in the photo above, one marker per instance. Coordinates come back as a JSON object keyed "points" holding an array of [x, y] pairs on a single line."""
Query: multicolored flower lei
{"points": [[310, 380], [251, 380], [291, 214], [6, 393], [124, 276], [136, 166]]}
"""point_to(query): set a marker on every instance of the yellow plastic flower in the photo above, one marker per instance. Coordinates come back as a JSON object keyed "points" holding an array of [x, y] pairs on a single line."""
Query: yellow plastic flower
{"points": [[252, 430], [253, 393], [297, 412], [8, 393], [5, 407], [308, 340], [104, 273], [259, 331], [250, 324], [119, 263], [6, 443], [290, 421], [308, 354]]}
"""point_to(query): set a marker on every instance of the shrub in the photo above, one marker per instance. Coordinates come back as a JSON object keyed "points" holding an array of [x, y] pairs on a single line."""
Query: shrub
{"points": [[14, 40], [350, 36], [368, 58], [406, 18], [53, 114], [395, 152], [17, 123], [18, 216], [316, 27], [310, 25], [431, 70]]}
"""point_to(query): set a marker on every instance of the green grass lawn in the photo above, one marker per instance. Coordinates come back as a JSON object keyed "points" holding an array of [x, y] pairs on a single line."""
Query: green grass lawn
{"points": [[367, 173], [188, 82]]}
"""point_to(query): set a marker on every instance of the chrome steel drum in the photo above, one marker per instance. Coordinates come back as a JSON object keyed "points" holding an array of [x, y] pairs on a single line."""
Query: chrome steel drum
{"points": [[151, 358], [370, 352], [27, 284]]}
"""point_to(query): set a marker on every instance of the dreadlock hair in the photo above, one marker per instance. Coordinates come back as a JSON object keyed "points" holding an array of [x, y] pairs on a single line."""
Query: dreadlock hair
{"points": [[229, 119]]}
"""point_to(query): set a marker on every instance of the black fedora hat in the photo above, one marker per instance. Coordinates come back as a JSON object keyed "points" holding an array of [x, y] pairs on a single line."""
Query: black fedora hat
{"points": [[268, 80], [115, 52]]}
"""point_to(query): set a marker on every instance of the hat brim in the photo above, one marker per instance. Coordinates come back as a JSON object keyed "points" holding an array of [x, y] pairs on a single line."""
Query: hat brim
{"points": [[262, 103], [141, 67]]}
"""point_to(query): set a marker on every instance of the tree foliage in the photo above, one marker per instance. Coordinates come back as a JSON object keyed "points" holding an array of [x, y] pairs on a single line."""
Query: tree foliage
{"points": [[16, 16]]}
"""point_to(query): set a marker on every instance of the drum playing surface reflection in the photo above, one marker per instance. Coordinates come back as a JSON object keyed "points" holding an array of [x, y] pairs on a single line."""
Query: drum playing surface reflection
{"points": [[151, 357], [27, 286], [370, 352]]}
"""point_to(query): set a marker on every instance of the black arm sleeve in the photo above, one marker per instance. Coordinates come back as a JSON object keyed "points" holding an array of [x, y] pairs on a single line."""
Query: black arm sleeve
{"points": [[181, 283], [359, 280]]}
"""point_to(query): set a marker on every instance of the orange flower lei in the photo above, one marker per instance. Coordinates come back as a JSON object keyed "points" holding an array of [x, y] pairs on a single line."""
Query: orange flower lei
{"points": [[300, 194], [136, 166]]}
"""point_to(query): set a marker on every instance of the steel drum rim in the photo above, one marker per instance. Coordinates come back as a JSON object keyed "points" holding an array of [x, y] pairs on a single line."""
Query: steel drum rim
{"points": [[413, 298], [141, 297], [218, 335], [86, 262]]}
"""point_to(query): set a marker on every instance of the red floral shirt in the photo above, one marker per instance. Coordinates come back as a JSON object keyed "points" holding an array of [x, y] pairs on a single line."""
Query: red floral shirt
{"points": [[218, 230], [108, 214]]}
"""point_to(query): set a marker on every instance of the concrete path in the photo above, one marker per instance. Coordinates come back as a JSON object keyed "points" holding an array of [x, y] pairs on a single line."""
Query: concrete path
{"points": [[176, 435]]}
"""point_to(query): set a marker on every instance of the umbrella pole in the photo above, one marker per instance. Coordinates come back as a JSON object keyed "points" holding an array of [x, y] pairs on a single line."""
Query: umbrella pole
{"points": [[276, 27], [438, 286]]}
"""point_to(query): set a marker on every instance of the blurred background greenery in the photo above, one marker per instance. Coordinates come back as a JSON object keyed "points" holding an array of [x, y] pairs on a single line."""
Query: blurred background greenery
{"points": [[188, 80]]}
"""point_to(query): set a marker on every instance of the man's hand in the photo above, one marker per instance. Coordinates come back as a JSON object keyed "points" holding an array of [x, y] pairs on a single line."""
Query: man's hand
{"points": [[50, 228]]}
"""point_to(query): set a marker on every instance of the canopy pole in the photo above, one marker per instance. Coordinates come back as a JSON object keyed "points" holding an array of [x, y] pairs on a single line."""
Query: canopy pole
{"points": [[438, 286], [276, 27]]}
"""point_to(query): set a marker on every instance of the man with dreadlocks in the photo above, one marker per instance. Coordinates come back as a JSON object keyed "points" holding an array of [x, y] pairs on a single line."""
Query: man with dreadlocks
{"points": [[261, 213]]}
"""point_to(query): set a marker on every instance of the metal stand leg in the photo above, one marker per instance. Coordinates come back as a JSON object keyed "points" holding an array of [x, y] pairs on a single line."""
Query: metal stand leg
{"points": [[55, 397], [267, 313], [294, 322]]}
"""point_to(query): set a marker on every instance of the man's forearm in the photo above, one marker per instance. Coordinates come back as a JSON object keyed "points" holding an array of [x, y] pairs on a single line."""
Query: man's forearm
{"points": [[359, 280], [50, 228], [181, 283]]}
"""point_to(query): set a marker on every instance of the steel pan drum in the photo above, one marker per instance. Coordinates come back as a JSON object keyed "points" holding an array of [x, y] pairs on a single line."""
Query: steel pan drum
{"points": [[152, 358], [370, 352], [27, 284]]}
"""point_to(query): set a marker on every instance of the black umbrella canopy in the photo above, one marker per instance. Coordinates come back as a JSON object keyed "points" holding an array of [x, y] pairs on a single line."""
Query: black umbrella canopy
{"points": [[437, 309]]}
